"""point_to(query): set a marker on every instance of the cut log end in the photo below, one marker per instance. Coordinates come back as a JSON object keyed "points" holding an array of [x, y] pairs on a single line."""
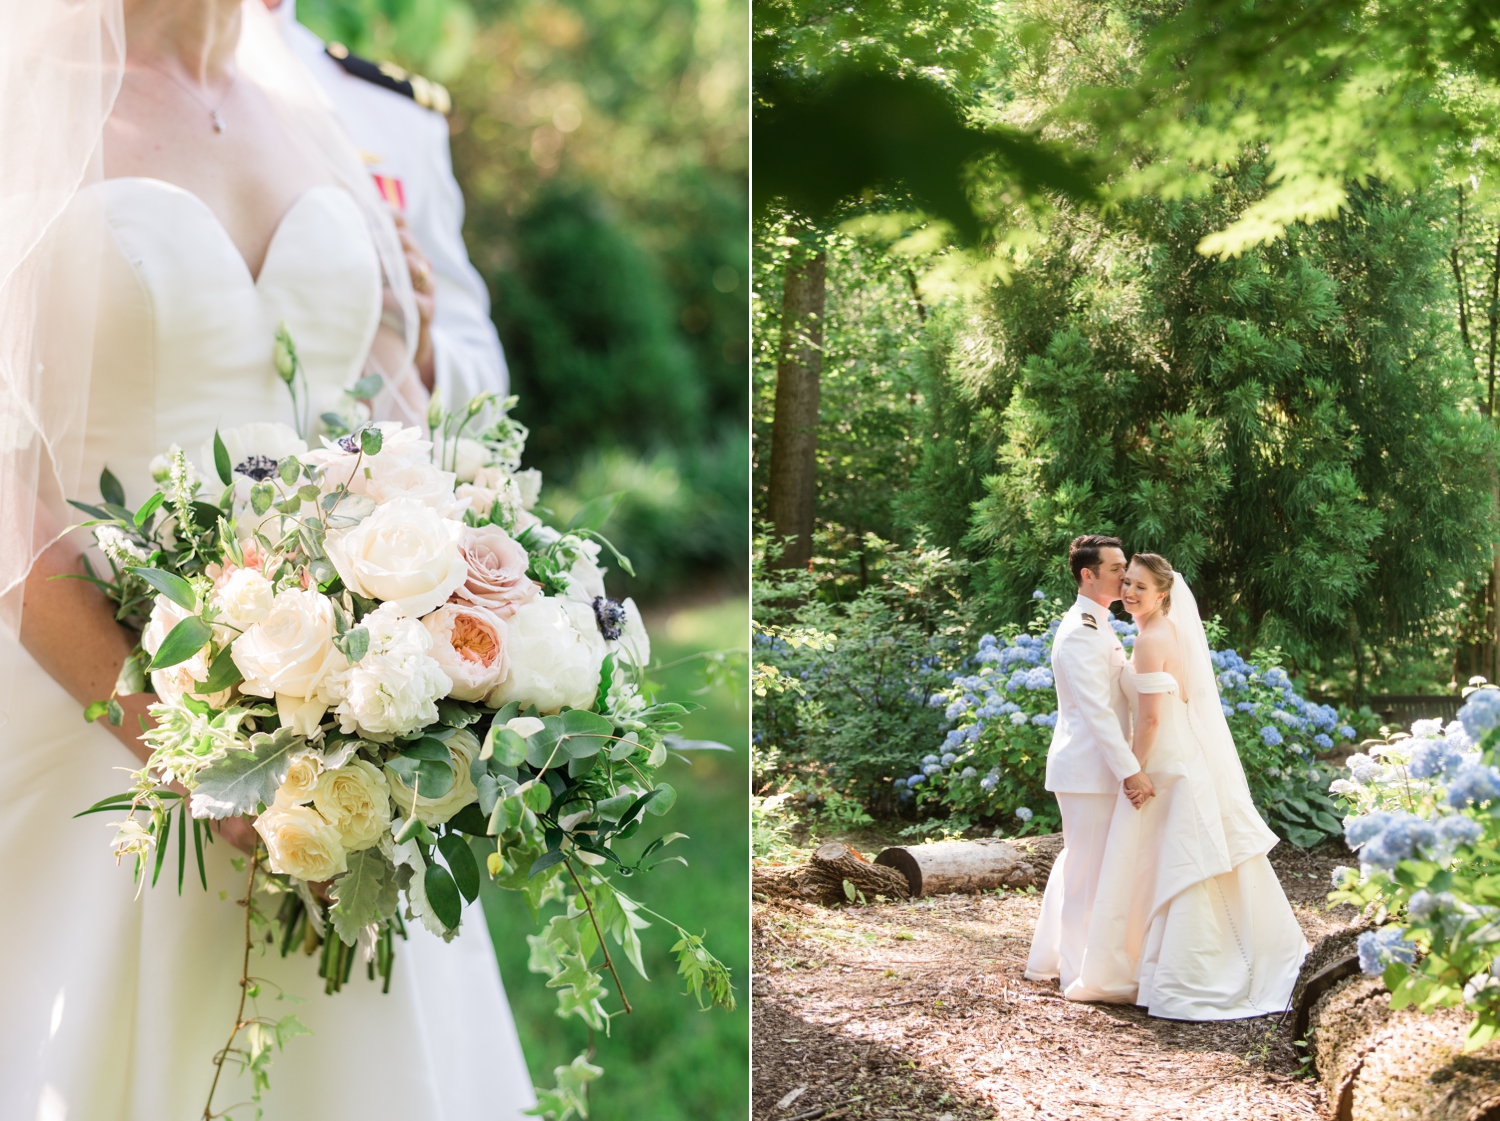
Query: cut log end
{"points": [[959, 866]]}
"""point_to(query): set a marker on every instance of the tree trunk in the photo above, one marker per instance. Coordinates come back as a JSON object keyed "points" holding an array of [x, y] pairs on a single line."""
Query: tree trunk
{"points": [[794, 429], [823, 880], [966, 866]]}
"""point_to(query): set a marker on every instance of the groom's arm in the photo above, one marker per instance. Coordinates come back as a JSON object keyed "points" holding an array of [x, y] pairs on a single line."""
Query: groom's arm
{"points": [[1085, 662]]}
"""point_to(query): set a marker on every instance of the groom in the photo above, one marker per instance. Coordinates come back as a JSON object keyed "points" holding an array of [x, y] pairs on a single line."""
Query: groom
{"points": [[1090, 757]]}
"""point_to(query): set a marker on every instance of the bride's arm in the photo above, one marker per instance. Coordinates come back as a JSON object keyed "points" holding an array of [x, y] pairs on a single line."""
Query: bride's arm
{"points": [[69, 628], [1149, 656]]}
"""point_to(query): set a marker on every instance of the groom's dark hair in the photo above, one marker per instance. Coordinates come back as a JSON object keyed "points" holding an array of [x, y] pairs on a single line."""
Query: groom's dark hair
{"points": [[1084, 553]]}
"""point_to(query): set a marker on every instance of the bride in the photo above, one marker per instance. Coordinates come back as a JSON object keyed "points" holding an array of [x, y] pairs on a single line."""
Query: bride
{"points": [[1189, 921], [175, 190]]}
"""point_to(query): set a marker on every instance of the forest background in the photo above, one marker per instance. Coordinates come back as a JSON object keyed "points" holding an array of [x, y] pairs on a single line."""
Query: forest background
{"points": [[1220, 279], [602, 148]]}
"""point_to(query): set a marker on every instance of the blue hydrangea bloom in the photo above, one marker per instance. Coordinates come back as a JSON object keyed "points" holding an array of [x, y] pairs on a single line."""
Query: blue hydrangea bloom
{"points": [[968, 772], [1459, 830], [1379, 948], [1426, 729], [989, 782], [1024, 814], [916, 780], [932, 769], [1403, 835], [1271, 736], [1481, 712], [1018, 718], [1473, 782], [948, 758], [1435, 757], [1323, 741], [1245, 706], [1346, 731], [1358, 830], [1039, 594], [938, 700], [929, 758]]}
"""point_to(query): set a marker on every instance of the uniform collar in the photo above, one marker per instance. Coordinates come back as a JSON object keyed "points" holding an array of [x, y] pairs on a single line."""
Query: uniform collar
{"points": [[1083, 603]]}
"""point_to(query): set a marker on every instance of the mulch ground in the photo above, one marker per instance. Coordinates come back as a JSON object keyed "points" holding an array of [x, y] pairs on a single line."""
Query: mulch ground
{"points": [[920, 1010]]}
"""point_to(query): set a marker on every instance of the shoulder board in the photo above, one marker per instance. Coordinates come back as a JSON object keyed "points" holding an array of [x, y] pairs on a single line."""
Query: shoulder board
{"points": [[1089, 621], [387, 75]]}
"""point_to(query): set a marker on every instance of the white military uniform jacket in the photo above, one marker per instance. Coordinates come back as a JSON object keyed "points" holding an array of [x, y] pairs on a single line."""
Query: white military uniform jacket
{"points": [[406, 143], [1090, 752]]}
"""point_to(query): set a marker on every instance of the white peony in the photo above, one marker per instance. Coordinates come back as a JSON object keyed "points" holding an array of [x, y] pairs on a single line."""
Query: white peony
{"points": [[395, 687], [470, 644], [416, 479], [355, 800], [302, 843], [172, 683], [462, 748], [289, 654], [553, 662], [243, 598], [404, 554], [634, 644]]}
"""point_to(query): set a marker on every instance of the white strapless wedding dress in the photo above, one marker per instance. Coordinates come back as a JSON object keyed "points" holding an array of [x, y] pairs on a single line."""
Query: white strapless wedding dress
{"points": [[113, 1006], [1179, 925]]}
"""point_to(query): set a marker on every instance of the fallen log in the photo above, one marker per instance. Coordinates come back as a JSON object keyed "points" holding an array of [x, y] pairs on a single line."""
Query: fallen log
{"points": [[959, 866], [822, 880], [1041, 853], [1380, 1065]]}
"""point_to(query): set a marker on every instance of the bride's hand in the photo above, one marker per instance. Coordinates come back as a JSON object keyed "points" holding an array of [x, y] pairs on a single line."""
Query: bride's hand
{"points": [[1138, 788], [239, 833]]}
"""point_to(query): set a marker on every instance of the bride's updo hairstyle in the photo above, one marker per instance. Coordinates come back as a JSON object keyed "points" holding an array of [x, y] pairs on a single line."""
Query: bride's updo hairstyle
{"points": [[1161, 575]]}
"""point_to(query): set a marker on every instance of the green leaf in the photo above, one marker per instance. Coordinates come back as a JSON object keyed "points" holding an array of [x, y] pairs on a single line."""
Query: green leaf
{"points": [[95, 710], [442, 895], [169, 584], [429, 778], [115, 713], [470, 820], [152, 504], [460, 860], [241, 780], [366, 387], [106, 805], [415, 827], [506, 746], [110, 488], [222, 674], [428, 747], [221, 460], [543, 862], [595, 512], [365, 894], [537, 797], [371, 440], [182, 642], [665, 797], [262, 494], [354, 644], [581, 993], [182, 831], [620, 558]]}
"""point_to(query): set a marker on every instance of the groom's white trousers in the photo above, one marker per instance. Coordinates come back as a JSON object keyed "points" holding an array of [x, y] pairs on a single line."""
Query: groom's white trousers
{"points": [[1057, 947]]}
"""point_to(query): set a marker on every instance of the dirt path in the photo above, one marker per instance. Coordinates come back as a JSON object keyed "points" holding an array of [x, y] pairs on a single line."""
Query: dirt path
{"points": [[921, 1011]]}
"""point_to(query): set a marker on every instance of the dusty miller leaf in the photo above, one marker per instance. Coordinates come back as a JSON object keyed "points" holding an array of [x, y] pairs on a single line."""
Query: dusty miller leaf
{"points": [[365, 894], [242, 779]]}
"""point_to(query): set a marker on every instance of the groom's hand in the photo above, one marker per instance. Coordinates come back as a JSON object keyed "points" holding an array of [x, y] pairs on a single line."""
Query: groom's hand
{"points": [[1138, 789]]}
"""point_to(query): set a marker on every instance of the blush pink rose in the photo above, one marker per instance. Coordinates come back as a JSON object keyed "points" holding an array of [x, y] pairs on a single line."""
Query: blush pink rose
{"points": [[471, 644], [497, 571]]}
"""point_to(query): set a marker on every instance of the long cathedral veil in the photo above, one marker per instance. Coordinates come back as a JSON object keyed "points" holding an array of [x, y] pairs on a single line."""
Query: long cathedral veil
{"points": [[61, 65], [1244, 831]]}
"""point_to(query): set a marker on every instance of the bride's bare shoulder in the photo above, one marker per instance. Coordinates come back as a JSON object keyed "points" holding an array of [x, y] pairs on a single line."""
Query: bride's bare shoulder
{"points": [[1152, 646]]}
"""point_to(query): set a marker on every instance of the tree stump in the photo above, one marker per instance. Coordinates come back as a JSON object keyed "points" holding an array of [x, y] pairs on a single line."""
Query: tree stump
{"points": [[959, 866], [1041, 853]]}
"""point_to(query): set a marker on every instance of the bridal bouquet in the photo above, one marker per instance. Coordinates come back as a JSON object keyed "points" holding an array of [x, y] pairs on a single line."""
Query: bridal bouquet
{"points": [[376, 649]]}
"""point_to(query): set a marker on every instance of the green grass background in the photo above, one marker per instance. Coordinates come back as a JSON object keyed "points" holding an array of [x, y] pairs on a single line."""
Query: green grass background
{"points": [[666, 1061]]}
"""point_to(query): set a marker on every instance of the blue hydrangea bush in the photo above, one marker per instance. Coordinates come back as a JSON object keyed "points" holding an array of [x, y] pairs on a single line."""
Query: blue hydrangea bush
{"points": [[1424, 817], [1001, 711]]}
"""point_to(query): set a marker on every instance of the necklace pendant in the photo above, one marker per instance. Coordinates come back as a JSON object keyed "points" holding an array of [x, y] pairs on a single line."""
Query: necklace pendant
{"points": [[218, 121]]}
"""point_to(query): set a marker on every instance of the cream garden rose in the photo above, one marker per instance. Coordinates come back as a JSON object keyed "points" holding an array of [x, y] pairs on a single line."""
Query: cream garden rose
{"points": [[302, 843], [356, 801], [403, 554], [470, 644], [552, 661], [462, 747], [301, 778], [290, 654]]}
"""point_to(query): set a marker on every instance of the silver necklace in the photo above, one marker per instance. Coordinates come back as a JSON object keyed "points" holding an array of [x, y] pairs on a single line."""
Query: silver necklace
{"points": [[213, 110]]}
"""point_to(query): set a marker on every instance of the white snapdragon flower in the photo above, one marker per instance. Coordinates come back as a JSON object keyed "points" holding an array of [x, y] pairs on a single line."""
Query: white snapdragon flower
{"points": [[404, 554], [553, 661], [395, 687], [119, 547]]}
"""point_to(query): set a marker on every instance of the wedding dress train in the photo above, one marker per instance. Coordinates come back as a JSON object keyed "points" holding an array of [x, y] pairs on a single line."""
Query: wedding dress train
{"points": [[114, 1005]]}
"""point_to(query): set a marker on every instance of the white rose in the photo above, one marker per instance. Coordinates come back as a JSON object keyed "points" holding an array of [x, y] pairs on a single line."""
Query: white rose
{"points": [[289, 655], [172, 683], [470, 644], [469, 458], [302, 843], [301, 777], [395, 687], [356, 801], [244, 598], [416, 479], [402, 468], [403, 554], [552, 662], [462, 747]]}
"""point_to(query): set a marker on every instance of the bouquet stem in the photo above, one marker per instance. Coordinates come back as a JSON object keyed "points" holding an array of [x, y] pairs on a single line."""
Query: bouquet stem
{"points": [[239, 1016], [589, 907]]}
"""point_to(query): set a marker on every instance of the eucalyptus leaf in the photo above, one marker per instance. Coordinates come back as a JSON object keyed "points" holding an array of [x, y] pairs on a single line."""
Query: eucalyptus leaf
{"points": [[506, 746], [665, 798], [537, 797], [428, 777], [241, 780], [364, 895], [289, 469], [366, 387], [371, 440], [132, 678]]}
